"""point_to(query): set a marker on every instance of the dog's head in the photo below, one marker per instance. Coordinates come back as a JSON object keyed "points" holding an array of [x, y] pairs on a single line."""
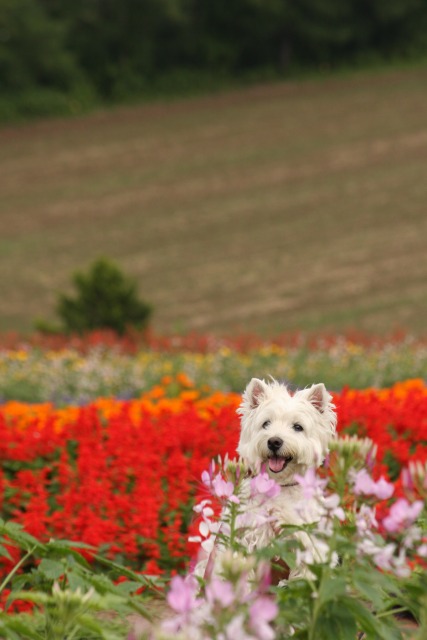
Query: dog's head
{"points": [[288, 433]]}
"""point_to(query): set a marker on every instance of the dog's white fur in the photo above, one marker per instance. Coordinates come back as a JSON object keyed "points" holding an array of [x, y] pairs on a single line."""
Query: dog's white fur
{"points": [[310, 408], [305, 422]]}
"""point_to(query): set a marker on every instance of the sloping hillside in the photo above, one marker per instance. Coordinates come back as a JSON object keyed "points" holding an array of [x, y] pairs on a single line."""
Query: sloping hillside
{"points": [[299, 205]]}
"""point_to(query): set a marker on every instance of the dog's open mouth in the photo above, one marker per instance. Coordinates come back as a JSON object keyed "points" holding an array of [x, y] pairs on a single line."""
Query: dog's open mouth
{"points": [[276, 464]]}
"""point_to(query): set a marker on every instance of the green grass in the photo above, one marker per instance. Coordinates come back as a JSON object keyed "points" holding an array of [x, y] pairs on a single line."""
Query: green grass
{"points": [[299, 205]]}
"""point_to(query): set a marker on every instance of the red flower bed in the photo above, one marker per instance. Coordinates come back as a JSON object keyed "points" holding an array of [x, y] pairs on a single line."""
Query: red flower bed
{"points": [[125, 473], [395, 419], [194, 342], [113, 473]]}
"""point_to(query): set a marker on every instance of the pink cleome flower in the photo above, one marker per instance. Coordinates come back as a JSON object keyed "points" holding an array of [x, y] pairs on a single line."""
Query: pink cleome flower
{"points": [[402, 514], [264, 485], [365, 485]]}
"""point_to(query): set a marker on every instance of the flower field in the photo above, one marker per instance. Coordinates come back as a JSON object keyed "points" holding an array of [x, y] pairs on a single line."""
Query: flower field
{"points": [[76, 371], [123, 475], [103, 447]]}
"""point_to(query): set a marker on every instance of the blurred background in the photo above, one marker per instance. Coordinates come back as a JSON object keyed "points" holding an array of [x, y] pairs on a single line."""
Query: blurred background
{"points": [[254, 165]]}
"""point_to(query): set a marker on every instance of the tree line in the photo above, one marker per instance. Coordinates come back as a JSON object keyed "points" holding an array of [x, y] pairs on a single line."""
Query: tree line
{"points": [[115, 49]]}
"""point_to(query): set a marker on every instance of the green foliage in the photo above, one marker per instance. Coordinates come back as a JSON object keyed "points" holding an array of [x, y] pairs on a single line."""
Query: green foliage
{"points": [[39, 76], [32, 49], [122, 49], [73, 599], [104, 298], [42, 102]]}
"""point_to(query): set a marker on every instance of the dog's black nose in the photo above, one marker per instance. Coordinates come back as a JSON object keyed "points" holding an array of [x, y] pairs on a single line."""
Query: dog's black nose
{"points": [[274, 444]]}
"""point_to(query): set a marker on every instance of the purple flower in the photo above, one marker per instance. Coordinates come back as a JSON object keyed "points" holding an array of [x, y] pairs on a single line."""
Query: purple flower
{"points": [[264, 485], [370, 458], [182, 595], [220, 591], [383, 489], [236, 630], [402, 515], [365, 485], [407, 480], [312, 485], [261, 613], [221, 487], [208, 475], [385, 558]]}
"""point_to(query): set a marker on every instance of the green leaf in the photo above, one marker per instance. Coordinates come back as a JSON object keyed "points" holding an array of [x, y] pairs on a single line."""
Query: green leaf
{"points": [[128, 587], [19, 582], [64, 549], [101, 583], [133, 603], [16, 536], [101, 631], [88, 622], [23, 630], [30, 596], [51, 568], [331, 588], [69, 544], [76, 581], [335, 622], [148, 581], [363, 581], [5, 553], [369, 623]]}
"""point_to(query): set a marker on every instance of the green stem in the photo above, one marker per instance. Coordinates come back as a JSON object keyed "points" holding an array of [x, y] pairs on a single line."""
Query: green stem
{"points": [[326, 573], [392, 612], [312, 630], [232, 523], [16, 567]]}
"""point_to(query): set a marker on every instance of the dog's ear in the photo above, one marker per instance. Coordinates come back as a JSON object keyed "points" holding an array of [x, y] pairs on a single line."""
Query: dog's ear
{"points": [[318, 396], [255, 392]]}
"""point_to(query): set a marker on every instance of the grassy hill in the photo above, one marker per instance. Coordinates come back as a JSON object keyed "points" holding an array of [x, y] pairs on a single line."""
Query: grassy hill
{"points": [[291, 206]]}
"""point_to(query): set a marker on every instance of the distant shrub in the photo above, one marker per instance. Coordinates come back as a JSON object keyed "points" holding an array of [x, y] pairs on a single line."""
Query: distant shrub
{"points": [[40, 103], [105, 298]]}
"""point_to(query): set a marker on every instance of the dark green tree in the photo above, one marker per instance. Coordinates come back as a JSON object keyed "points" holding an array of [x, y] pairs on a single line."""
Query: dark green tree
{"points": [[123, 45], [32, 49], [104, 298], [117, 49]]}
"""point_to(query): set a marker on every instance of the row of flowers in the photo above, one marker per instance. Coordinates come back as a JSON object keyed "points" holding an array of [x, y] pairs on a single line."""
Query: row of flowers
{"points": [[74, 376], [135, 340], [124, 474]]}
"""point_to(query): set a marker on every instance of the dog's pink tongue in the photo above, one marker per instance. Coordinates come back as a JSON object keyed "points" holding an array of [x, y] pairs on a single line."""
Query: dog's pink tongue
{"points": [[276, 464]]}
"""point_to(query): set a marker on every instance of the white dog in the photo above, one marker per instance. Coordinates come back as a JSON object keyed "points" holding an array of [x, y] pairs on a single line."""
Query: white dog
{"points": [[288, 433], [285, 434]]}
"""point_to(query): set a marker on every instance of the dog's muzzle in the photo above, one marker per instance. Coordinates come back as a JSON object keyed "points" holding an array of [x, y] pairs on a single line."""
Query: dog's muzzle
{"points": [[274, 444], [276, 463]]}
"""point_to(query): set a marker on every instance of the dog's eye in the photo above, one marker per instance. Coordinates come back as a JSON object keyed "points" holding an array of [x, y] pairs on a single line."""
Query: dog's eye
{"points": [[266, 424], [297, 427]]}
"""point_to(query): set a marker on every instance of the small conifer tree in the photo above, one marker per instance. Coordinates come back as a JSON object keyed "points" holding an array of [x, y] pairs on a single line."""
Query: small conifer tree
{"points": [[105, 298]]}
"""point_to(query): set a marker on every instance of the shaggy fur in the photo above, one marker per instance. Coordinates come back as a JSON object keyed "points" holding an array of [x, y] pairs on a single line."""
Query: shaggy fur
{"points": [[304, 421], [286, 434]]}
